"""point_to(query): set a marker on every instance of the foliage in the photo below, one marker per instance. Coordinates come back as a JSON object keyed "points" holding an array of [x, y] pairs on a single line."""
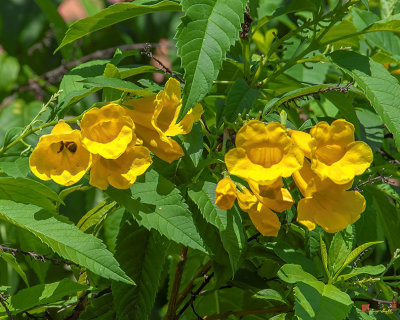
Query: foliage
{"points": [[167, 213]]}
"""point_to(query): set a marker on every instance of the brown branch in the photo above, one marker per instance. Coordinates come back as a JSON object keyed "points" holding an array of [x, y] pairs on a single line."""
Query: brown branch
{"points": [[3, 301], [195, 294], [387, 155], [189, 287], [80, 306], [35, 256], [371, 180], [275, 310], [146, 51], [172, 305]]}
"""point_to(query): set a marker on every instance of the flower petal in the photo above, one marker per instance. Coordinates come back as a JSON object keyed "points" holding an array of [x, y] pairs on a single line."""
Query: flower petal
{"points": [[186, 125], [265, 221], [225, 194], [302, 140]]}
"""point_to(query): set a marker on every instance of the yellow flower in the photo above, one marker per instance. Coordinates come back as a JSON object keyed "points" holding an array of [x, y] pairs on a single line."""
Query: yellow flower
{"points": [[121, 173], [225, 194], [265, 221], [326, 203], [263, 153], [156, 120], [335, 154], [60, 156], [107, 131], [302, 140]]}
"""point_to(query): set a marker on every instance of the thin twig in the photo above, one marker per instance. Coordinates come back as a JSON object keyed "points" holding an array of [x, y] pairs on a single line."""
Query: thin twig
{"points": [[3, 301], [371, 180], [35, 256], [147, 52], [172, 304], [387, 155]]}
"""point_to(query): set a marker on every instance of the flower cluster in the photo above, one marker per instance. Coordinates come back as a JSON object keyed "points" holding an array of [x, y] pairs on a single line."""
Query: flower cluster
{"points": [[323, 164], [115, 141]]}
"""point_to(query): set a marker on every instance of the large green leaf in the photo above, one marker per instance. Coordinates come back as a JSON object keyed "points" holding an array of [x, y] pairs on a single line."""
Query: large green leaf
{"points": [[371, 270], [240, 97], [42, 294], [206, 33], [101, 82], [229, 223], [144, 263], [112, 15], [157, 204], [65, 239], [12, 261], [378, 85], [292, 273], [27, 191], [16, 169], [316, 300], [339, 249]]}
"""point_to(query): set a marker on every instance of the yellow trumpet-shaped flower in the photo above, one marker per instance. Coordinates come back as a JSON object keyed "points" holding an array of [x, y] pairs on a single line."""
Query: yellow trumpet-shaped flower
{"points": [[335, 154], [121, 173], [326, 203], [156, 120], [263, 153], [225, 194], [264, 219], [107, 131], [60, 156]]}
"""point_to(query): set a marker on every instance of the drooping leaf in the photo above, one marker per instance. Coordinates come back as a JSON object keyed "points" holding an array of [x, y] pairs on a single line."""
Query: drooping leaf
{"points": [[12, 261], [144, 263], [228, 222], [378, 85], [316, 300], [157, 204], [207, 31], [27, 191], [64, 239], [112, 15]]}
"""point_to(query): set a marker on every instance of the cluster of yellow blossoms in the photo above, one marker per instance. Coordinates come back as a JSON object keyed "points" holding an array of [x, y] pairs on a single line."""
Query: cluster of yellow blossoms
{"points": [[323, 165], [115, 141]]}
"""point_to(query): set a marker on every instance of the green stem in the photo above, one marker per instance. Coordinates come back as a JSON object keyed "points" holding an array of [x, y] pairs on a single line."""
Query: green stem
{"points": [[246, 58]]}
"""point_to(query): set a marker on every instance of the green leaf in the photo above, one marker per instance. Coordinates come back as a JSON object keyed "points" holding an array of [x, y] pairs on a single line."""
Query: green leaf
{"points": [[270, 294], [292, 273], [316, 300], [371, 128], [101, 82], [340, 248], [296, 6], [12, 134], [12, 261], [240, 97], [324, 256], [96, 215], [378, 85], [371, 270], [228, 222], [157, 204], [112, 15], [42, 294], [27, 191], [144, 263], [354, 254], [193, 143], [16, 169], [100, 308], [342, 29], [206, 33], [65, 239]]}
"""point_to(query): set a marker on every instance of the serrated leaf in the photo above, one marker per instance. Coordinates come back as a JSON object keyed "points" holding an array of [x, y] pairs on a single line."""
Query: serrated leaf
{"points": [[354, 254], [112, 15], [240, 97], [316, 300], [11, 135], [12, 261], [378, 85], [64, 239], [228, 222], [292, 273], [206, 33], [340, 249], [371, 270], [41, 294], [95, 215], [144, 263], [193, 143], [27, 191], [157, 204]]}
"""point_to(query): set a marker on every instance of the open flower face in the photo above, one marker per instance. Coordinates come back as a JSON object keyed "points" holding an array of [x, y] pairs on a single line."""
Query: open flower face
{"points": [[121, 173], [263, 153], [107, 131], [60, 156], [156, 120], [335, 154], [225, 194]]}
